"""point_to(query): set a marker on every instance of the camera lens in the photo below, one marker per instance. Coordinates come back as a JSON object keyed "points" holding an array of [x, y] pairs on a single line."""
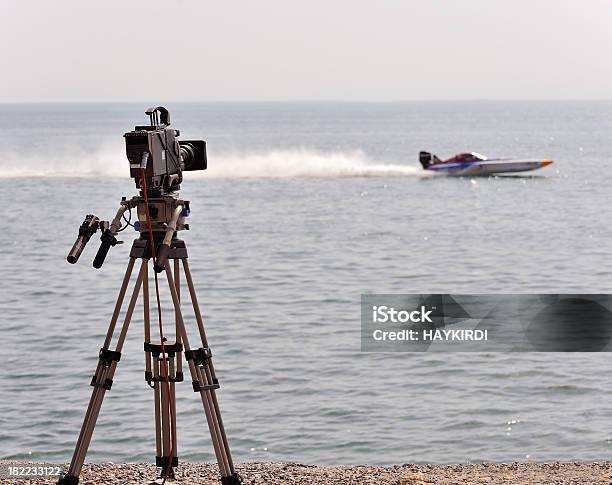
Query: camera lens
{"points": [[187, 155], [193, 154]]}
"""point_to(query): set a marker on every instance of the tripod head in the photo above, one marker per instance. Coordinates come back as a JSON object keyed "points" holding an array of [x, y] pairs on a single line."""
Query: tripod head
{"points": [[157, 162]]}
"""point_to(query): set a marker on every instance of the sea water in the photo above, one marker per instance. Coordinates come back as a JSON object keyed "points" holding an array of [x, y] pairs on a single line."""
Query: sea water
{"points": [[304, 207]]}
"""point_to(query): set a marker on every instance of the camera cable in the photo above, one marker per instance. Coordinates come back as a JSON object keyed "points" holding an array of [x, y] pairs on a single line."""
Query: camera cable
{"points": [[167, 470]]}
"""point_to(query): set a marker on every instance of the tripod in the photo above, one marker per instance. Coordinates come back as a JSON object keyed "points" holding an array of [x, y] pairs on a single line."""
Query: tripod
{"points": [[163, 360]]}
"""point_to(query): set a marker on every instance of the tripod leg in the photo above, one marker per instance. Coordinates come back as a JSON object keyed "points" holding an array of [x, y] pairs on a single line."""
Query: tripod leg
{"points": [[165, 412], [103, 379], [119, 304], [205, 384], [165, 420], [172, 404], [147, 322], [93, 399], [177, 285], [158, 404], [152, 365], [178, 372], [198, 381], [109, 334], [210, 369]]}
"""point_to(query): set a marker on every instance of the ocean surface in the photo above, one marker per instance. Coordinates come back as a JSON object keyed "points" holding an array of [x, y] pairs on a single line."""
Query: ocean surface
{"points": [[304, 207]]}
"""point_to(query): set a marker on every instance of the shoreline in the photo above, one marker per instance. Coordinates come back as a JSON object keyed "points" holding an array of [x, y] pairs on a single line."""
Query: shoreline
{"points": [[256, 473]]}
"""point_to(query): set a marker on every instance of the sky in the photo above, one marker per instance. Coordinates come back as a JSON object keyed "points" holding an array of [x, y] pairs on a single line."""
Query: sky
{"points": [[265, 50]]}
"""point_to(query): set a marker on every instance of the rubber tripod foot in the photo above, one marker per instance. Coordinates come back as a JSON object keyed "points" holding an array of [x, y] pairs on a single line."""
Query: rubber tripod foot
{"points": [[234, 479], [68, 480]]}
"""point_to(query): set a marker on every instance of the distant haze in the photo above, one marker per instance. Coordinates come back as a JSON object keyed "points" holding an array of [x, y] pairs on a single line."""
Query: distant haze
{"points": [[316, 50]]}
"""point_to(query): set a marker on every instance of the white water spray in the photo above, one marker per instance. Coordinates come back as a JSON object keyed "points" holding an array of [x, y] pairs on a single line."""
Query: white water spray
{"points": [[290, 163]]}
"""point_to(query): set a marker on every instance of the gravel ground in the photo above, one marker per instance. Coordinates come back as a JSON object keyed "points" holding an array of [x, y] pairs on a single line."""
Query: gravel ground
{"points": [[290, 473]]}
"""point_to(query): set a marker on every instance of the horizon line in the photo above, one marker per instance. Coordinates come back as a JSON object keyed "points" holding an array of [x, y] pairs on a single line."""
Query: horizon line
{"points": [[321, 100]]}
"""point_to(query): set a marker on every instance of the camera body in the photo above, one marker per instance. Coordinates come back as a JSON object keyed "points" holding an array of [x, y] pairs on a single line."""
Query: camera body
{"points": [[156, 148]]}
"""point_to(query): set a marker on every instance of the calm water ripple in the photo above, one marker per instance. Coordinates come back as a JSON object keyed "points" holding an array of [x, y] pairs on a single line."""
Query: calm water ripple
{"points": [[280, 261]]}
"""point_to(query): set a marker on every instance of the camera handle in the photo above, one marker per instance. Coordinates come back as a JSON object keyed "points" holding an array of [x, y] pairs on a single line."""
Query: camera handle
{"points": [[110, 230], [87, 229], [158, 114], [91, 225], [108, 239]]}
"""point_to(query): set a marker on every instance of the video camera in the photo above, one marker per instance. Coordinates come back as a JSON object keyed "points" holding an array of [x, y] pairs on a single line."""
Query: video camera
{"points": [[157, 162], [164, 158]]}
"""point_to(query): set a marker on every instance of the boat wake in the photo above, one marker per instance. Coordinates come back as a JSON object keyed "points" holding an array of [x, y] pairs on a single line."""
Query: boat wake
{"points": [[290, 163], [306, 163]]}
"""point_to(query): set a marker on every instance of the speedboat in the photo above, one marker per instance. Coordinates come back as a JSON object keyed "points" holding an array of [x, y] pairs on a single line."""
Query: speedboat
{"points": [[471, 164]]}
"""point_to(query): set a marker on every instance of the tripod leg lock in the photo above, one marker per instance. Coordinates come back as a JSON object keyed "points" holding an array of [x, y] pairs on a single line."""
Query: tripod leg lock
{"points": [[199, 356], [108, 356], [107, 384], [233, 479], [197, 387], [178, 377]]}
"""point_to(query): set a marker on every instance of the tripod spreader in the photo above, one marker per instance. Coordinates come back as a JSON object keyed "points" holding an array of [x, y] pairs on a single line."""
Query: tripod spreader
{"points": [[156, 351]]}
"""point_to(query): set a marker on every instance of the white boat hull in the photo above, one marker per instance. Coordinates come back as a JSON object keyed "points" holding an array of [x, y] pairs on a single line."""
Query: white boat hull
{"points": [[487, 167]]}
